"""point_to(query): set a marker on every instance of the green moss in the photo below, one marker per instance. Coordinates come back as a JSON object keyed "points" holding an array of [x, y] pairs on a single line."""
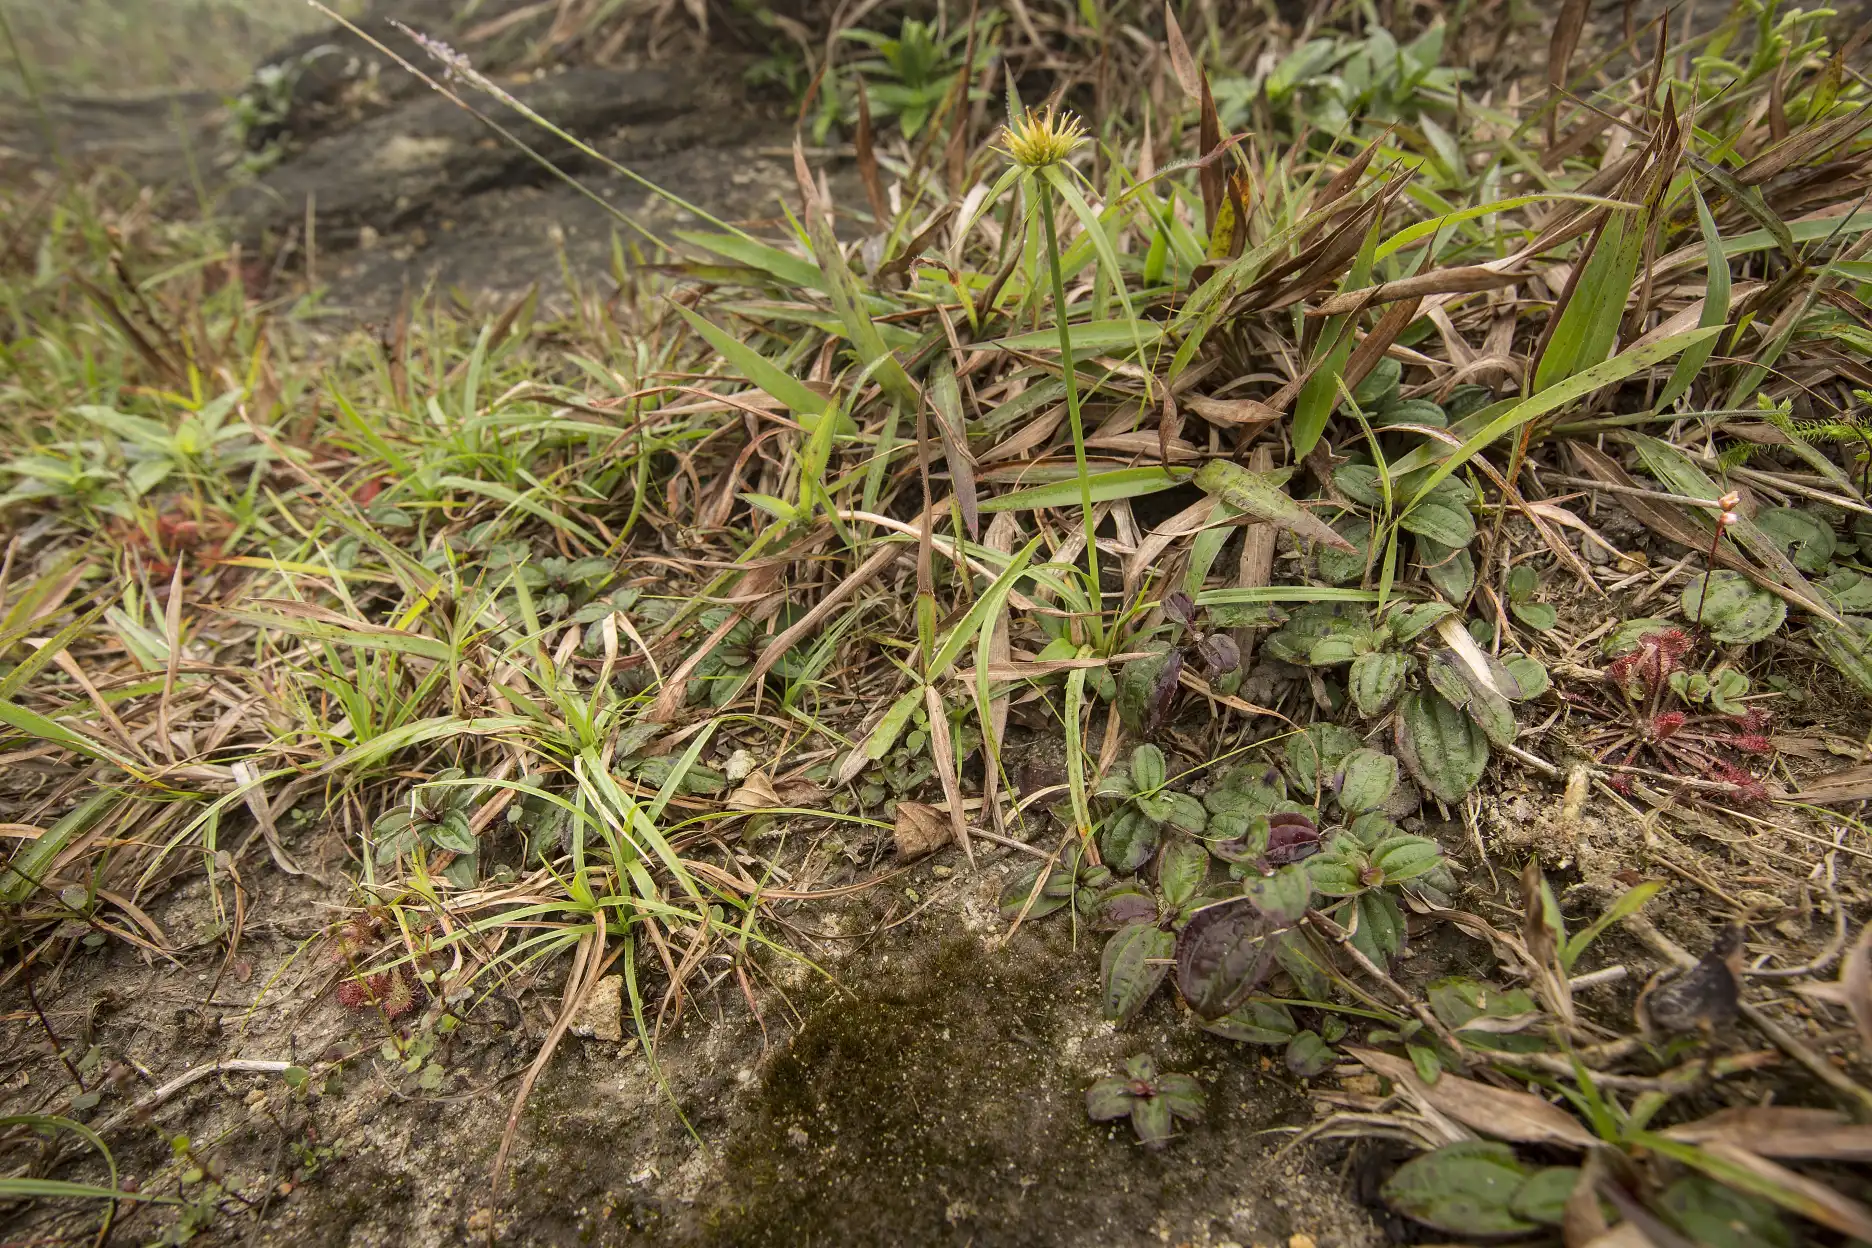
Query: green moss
{"points": [[937, 1103]]}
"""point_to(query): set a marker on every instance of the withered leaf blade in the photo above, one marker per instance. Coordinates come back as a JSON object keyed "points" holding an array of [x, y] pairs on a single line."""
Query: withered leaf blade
{"points": [[1211, 175], [1560, 48], [1182, 64], [1222, 955], [1454, 280], [1855, 983], [1501, 1112], [1790, 1189], [920, 830], [1782, 1131], [1246, 413], [945, 398], [1259, 495], [866, 154]]}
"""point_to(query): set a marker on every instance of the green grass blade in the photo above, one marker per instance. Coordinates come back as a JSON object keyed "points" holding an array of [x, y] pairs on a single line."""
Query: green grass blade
{"points": [[1557, 396], [1629, 902], [951, 647], [792, 271], [1715, 307], [1089, 337], [1106, 487], [1589, 323], [799, 398]]}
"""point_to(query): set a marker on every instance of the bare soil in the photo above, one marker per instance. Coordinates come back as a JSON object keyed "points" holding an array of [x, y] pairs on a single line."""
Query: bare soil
{"points": [[927, 1090]]}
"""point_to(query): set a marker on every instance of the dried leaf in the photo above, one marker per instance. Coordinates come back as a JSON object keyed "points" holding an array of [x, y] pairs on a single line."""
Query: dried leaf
{"points": [[1260, 495], [1455, 280], [1855, 983], [867, 157], [1249, 414], [757, 792], [1560, 47], [1782, 1131], [920, 830], [1210, 175], [1181, 62], [1500, 1112]]}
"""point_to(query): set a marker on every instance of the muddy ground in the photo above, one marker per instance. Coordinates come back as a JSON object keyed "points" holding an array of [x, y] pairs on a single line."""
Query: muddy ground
{"points": [[927, 1089]]}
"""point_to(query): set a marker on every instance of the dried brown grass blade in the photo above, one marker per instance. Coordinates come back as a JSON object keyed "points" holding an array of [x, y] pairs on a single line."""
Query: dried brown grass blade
{"points": [[1348, 177], [1500, 1112], [867, 158], [1247, 415], [1816, 1199], [1182, 64], [584, 973], [1366, 355], [1458, 280], [1538, 936], [1855, 983], [1782, 1131], [810, 623], [1211, 175], [1849, 784], [1002, 532], [1804, 147], [669, 700], [254, 794], [1583, 1220], [942, 753], [1560, 48], [945, 401]]}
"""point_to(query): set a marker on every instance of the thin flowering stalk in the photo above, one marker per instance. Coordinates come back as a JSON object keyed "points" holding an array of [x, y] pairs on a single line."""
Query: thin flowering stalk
{"points": [[457, 67], [1035, 142], [1726, 517]]}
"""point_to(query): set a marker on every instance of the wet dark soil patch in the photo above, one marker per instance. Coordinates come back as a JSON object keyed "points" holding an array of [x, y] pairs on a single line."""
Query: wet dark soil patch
{"points": [[942, 1102]]}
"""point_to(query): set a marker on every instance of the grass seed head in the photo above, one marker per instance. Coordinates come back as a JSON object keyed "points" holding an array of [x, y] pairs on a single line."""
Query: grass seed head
{"points": [[1041, 139]]}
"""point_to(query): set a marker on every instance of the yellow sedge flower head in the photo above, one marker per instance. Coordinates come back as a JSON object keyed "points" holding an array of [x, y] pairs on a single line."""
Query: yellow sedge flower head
{"points": [[1041, 139]]}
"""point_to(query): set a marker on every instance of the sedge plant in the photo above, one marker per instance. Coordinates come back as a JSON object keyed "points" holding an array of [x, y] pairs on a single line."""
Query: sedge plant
{"points": [[1039, 143]]}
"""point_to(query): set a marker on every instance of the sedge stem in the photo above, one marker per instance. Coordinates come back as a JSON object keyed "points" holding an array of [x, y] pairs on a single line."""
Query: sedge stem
{"points": [[1072, 412]]}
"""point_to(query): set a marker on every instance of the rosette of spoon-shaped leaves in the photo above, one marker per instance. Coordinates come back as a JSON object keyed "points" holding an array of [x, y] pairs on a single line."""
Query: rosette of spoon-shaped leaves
{"points": [[1463, 705], [1225, 950], [1379, 646], [1142, 922], [1040, 889], [1142, 808], [1253, 825], [1367, 853], [1152, 1100]]}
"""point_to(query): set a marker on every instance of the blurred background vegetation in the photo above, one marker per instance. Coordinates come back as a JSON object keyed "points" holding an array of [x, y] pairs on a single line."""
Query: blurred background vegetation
{"points": [[140, 47]]}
